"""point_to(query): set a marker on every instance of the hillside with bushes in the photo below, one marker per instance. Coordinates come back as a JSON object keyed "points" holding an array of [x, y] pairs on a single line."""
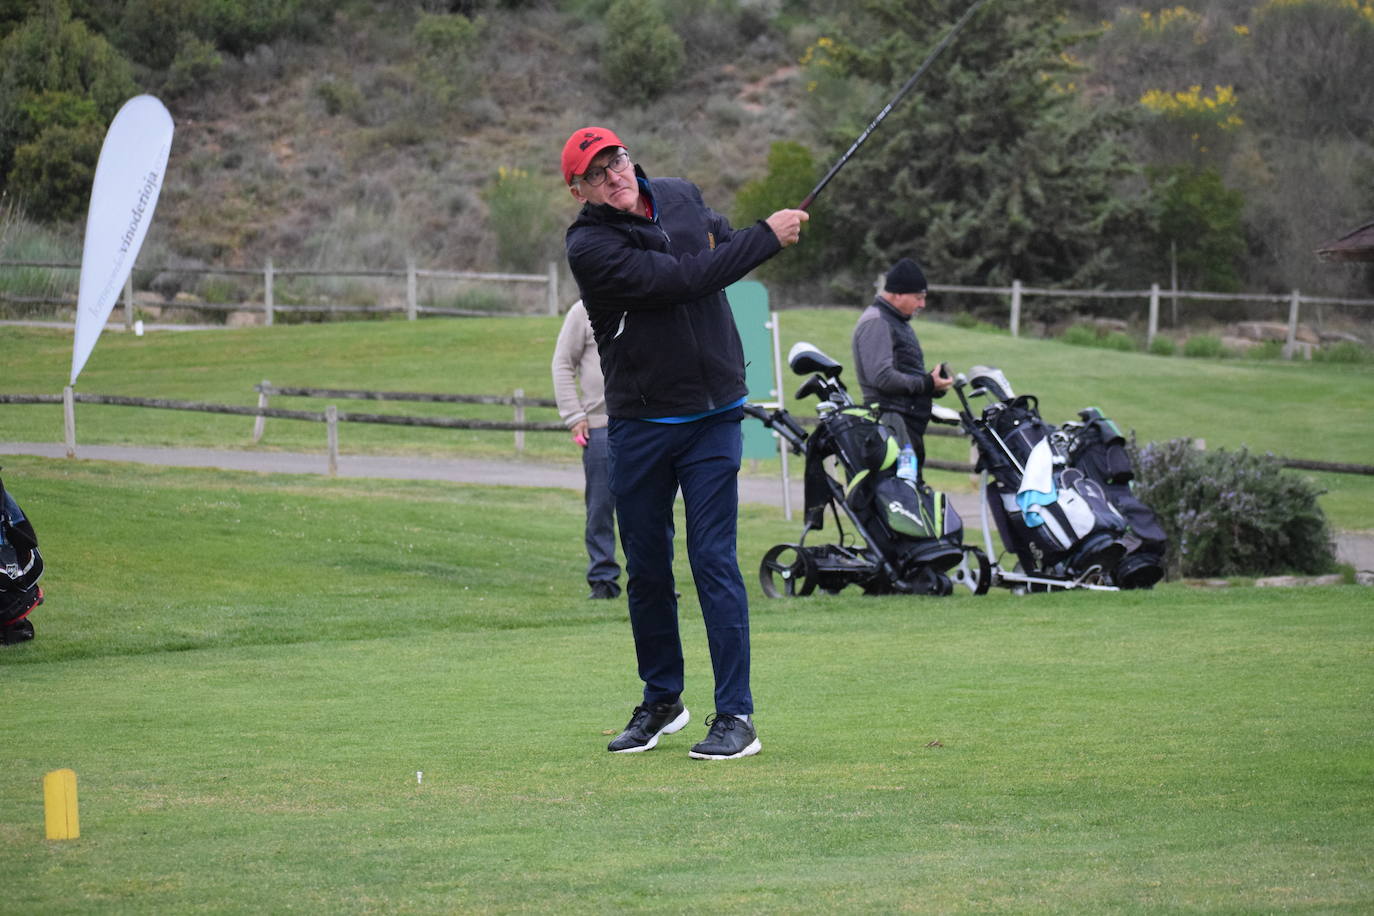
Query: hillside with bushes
{"points": [[1065, 143]]}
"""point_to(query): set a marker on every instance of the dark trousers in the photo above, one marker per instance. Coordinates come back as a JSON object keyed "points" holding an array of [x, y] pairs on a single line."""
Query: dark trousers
{"points": [[599, 534], [648, 463]]}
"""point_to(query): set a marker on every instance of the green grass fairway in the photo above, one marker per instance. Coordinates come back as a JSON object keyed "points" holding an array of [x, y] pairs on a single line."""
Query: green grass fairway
{"points": [[1316, 411], [247, 671]]}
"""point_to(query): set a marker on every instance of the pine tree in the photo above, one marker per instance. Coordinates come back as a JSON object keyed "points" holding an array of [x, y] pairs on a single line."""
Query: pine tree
{"points": [[994, 168]]}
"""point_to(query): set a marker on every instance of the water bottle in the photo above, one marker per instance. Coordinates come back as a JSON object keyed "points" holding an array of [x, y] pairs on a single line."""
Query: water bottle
{"points": [[906, 465]]}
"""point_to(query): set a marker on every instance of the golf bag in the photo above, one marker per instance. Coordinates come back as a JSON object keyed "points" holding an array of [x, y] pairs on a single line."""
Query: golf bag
{"points": [[21, 566], [911, 536], [1097, 448], [1056, 519]]}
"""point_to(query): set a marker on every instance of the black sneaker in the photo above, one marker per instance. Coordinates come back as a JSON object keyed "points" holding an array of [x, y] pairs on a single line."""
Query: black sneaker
{"points": [[729, 737], [604, 590], [647, 723]]}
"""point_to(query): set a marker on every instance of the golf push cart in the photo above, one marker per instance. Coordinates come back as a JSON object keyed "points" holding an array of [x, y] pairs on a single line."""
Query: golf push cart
{"points": [[1060, 497], [904, 538]]}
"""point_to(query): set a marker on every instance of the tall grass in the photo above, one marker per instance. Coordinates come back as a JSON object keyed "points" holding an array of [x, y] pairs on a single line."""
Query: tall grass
{"points": [[21, 239]]}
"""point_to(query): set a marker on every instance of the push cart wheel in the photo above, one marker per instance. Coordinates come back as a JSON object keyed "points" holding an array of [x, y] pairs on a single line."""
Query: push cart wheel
{"points": [[787, 572], [974, 572]]}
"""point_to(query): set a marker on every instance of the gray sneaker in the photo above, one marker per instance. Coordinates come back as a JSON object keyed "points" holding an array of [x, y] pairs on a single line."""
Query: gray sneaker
{"points": [[647, 723], [727, 737]]}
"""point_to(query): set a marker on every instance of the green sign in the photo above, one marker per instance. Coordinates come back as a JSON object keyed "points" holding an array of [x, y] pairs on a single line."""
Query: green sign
{"points": [[749, 302]]}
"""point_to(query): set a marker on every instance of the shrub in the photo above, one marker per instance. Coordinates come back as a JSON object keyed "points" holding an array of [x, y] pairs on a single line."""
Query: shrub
{"points": [[791, 175], [56, 76], [340, 96], [1233, 513], [195, 66], [1346, 351], [643, 56], [446, 43], [1119, 340], [1079, 335], [1163, 346], [521, 213], [1203, 346], [55, 171]]}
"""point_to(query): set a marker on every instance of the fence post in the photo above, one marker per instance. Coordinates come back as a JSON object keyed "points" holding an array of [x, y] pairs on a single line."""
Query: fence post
{"points": [[552, 291], [519, 401], [259, 421], [1153, 327], [267, 293], [1291, 346], [1015, 308], [331, 420], [412, 306], [69, 419], [129, 302]]}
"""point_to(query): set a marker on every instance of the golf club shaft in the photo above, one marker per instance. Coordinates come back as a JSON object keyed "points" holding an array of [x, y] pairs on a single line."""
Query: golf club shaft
{"points": [[887, 109]]}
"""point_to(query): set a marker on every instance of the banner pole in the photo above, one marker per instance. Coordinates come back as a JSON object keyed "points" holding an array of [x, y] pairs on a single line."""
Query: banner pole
{"points": [[69, 419]]}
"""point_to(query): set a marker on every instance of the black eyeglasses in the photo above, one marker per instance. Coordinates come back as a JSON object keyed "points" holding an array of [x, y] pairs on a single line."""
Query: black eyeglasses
{"points": [[596, 175]]}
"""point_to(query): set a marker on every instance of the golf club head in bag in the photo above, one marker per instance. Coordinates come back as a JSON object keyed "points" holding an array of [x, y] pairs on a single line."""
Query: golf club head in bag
{"points": [[21, 566]]}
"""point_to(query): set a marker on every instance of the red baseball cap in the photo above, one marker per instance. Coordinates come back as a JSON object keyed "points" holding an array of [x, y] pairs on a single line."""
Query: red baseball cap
{"points": [[583, 146]]}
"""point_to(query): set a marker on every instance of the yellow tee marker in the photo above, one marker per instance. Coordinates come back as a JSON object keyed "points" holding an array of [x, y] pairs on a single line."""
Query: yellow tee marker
{"points": [[59, 805]]}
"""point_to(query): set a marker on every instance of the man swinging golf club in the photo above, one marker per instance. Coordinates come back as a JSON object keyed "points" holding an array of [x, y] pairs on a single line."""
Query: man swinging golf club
{"points": [[651, 261]]}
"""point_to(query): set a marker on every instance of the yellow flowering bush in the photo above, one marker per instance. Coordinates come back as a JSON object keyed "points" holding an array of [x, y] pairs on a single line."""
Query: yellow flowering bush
{"points": [[1192, 103]]}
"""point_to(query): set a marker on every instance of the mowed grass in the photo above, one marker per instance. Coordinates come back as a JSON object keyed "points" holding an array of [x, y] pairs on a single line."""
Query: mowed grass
{"points": [[1317, 411], [249, 672]]}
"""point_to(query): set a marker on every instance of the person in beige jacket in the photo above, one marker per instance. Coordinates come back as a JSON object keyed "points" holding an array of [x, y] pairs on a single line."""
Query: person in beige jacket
{"points": [[580, 392]]}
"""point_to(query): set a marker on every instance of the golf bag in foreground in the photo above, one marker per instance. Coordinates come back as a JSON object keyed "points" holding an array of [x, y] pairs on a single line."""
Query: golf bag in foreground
{"points": [[912, 539], [1059, 496], [21, 566]]}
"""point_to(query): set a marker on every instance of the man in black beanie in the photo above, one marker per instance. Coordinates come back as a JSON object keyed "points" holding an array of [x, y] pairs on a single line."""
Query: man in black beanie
{"points": [[888, 361]]}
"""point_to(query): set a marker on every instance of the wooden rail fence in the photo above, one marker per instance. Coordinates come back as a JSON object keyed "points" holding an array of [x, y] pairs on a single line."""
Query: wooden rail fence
{"points": [[332, 416]]}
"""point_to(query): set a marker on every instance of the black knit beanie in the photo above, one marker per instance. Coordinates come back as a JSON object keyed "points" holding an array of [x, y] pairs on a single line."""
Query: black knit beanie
{"points": [[905, 277]]}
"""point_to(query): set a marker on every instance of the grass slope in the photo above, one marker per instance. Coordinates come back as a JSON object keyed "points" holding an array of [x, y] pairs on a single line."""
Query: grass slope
{"points": [[1293, 409], [247, 672]]}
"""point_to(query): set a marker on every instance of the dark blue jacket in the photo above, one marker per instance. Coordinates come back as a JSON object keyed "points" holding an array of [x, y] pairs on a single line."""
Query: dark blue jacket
{"points": [[654, 291]]}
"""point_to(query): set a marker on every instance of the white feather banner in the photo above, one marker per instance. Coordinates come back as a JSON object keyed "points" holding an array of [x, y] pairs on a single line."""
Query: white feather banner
{"points": [[128, 179]]}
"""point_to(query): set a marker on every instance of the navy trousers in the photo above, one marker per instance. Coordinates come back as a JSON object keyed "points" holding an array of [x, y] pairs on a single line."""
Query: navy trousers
{"points": [[648, 463], [599, 534]]}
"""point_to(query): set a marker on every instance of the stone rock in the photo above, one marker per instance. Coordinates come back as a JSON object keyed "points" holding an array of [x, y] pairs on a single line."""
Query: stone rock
{"points": [[1290, 581], [1273, 330], [1261, 330], [244, 319], [1239, 344]]}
